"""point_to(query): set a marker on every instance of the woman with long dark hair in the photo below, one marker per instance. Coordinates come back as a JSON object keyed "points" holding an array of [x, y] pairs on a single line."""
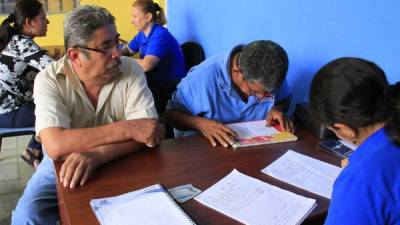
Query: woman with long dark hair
{"points": [[353, 98], [20, 59]]}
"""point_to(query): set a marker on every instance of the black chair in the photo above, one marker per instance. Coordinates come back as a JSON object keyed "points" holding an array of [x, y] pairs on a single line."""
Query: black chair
{"points": [[193, 54]]}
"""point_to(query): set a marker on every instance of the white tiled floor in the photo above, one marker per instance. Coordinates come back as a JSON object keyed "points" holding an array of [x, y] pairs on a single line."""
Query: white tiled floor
{"points": [[14, 174]]}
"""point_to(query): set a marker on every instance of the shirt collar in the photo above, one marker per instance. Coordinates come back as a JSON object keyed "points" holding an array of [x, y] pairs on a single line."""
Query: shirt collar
{"points": [[67, 71], [225, 78], [153, 28], [377, 139]]}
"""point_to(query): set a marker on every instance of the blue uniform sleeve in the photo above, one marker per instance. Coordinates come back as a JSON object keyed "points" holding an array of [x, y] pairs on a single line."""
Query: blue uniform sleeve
{"points": [[283, 93], [357, 201], [134, 44], [182, 99], [191, 95], [158, 45]]}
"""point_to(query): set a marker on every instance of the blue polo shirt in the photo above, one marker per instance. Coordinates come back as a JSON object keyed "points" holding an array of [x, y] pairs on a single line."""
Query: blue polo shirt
{"points": [[162, 44], [208, 91], [368, 190]]}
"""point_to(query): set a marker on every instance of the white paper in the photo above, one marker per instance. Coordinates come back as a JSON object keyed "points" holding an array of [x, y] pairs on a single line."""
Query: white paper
{"points": [[348, 144], [252, 129], [254, 202], [150, 206], [305, 172]]}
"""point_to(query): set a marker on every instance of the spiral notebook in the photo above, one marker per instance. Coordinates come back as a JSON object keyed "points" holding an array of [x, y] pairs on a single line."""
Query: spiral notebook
{"points": [[152, 205], [257, 133]]}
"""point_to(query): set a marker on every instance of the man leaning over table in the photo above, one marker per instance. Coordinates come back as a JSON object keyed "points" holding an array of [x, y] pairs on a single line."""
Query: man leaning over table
{"points": [[92, 106], [246, 84]]}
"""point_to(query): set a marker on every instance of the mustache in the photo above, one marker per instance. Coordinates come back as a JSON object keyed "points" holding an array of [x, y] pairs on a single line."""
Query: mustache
{"points": [[113, 64]]}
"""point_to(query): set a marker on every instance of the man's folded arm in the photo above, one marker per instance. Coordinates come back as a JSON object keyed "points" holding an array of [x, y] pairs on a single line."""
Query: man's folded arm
{"points": [[60, 142]]}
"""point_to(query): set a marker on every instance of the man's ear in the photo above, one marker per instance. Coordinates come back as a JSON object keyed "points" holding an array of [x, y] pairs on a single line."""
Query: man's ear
{"points": [[236, 72], [74, 56], [345, 131]]}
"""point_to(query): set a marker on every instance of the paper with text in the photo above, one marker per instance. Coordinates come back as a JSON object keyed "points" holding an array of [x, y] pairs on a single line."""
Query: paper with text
{"points": [[257, 133], [305, 172], [150, 206], [254, 202]]}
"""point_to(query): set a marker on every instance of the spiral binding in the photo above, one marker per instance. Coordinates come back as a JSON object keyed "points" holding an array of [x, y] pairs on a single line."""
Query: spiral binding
{"points": [[176, 204]]}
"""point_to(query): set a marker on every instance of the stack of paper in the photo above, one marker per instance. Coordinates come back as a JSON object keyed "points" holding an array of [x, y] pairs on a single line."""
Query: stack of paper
{"points": [[305, 172], [150, 206], [254, 202]]}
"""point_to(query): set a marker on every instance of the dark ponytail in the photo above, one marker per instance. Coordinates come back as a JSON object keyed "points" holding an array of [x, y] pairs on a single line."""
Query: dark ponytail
{"points": [[392, 103], [13, 24], [148, 6], [160, 15], [7, 30]]}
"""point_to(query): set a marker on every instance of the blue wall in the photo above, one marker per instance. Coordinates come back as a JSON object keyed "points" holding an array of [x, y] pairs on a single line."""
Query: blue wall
{"points": [[313, 32]]}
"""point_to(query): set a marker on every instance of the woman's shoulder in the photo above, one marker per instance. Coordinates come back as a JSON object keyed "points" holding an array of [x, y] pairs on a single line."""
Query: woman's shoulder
{"points": [[20, 44], [161, 32]]}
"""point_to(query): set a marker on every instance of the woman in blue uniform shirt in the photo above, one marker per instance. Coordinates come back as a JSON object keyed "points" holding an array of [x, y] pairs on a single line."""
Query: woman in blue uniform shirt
{"points": [[160, 54], [353, 98]]}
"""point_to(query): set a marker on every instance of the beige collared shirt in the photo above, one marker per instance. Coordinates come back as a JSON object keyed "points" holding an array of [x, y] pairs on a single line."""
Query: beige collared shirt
{"points": [[61, 100]]}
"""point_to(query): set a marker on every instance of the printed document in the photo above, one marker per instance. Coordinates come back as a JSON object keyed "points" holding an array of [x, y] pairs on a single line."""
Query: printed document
{"points": [[254, 202], [305, 172], [257, 133]]}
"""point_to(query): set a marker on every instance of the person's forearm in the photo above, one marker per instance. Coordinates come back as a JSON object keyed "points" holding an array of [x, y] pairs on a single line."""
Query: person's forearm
{"points": [[182, 121], [148, 62], [59, 142], [110, 152], [127, 52], [145, 66]]}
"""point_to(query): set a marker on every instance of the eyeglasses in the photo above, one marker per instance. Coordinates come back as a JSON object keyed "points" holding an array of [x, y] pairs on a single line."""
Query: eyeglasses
{"points": [[258, 93], [117, 47]]}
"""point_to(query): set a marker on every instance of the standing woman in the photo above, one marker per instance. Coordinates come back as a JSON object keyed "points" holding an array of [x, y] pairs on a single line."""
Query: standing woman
{"points": [[352, 97], [20, 59], [160, 54]]}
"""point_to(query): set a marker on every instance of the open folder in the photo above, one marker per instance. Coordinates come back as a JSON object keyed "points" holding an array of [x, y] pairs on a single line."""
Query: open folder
{"points": [[254, 202], [257, 133], [151, 206]]}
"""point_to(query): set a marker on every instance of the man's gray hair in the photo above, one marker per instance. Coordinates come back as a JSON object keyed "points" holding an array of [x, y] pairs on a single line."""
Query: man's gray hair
{"points": [[82, 22], [264, 62]]}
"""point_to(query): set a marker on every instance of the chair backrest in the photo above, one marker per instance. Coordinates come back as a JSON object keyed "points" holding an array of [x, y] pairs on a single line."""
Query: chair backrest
{"points": [[193, 53], [10, 132]]}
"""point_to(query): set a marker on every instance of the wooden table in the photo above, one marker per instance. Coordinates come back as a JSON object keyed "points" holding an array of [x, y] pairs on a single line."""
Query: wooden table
{"points": [[186, 160]]}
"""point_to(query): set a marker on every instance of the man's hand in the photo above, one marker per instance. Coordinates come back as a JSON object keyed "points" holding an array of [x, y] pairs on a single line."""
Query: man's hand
{"points": [[78, 167], [147, 131], [217, 133], [275, 115]]}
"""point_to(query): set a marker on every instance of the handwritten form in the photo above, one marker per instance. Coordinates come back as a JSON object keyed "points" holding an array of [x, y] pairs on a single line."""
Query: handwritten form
{"points": [[254, 202], [305, 172]]}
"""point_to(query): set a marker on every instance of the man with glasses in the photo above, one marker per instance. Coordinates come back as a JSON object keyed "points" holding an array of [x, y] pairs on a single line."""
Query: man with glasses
{"points": [[92, 106], [246, 84]]}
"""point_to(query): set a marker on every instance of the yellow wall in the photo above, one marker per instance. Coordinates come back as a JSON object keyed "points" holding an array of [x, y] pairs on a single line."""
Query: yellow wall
{"points": [[121, 9]]}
